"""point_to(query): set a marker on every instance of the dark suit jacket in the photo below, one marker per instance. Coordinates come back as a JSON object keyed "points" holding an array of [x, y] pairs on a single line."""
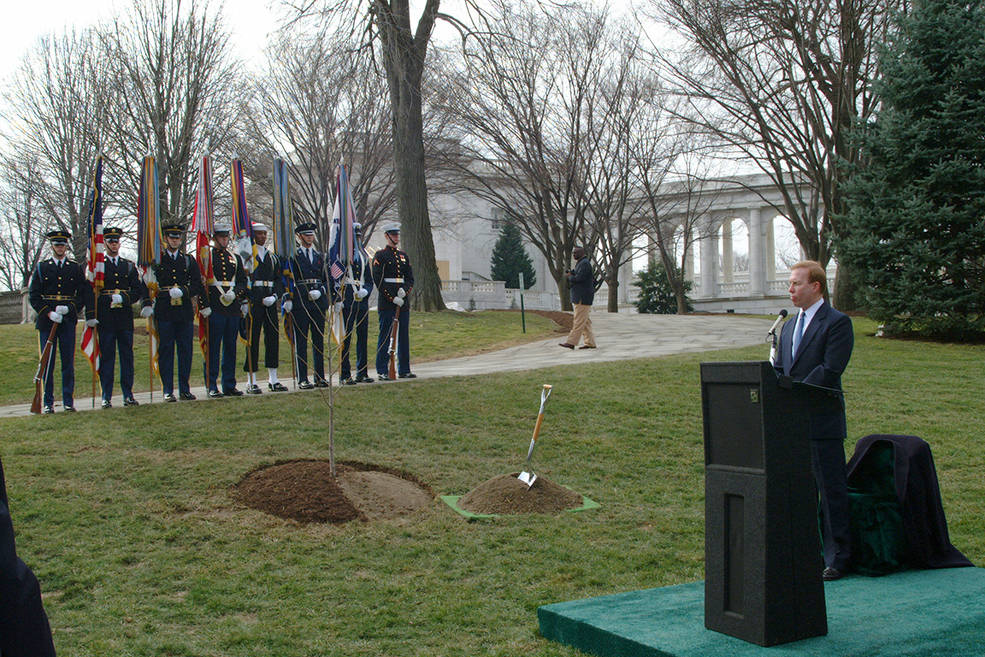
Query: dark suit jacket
{"points": [[309, 276], [122, 276], [822, 357], [582, 283]]}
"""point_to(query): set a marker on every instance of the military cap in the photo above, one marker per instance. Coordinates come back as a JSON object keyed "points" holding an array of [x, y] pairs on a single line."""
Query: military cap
{"points": [[392, 227], [221, 228], [112, 233], [260, 227], [306, 228], [59, 236], [173, 230]]}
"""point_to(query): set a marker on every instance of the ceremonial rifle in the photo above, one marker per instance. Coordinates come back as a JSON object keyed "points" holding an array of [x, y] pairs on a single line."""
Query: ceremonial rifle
{"points": [[393, 344], [42, 369]]}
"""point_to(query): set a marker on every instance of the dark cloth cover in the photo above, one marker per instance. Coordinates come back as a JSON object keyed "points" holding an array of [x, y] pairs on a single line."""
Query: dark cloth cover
{"points": [[924, 524], [24, 629]]}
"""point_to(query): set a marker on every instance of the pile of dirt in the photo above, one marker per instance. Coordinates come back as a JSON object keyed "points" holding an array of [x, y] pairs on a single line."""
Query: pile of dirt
{"points": [[304, 490], [563, 320], [506, 494]]}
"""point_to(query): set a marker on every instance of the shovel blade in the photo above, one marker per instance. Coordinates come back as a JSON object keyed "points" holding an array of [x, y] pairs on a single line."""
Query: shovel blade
{"points": [[528, 478]]}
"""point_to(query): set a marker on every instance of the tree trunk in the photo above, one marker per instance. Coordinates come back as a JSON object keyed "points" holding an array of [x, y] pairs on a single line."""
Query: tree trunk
{"points": [[613, 302], [847, 296]]}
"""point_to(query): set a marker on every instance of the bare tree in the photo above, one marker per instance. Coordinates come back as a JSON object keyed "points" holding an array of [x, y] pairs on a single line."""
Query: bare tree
{"points": [[318, 104], [523, 103], [782, 82], [173, 85], [60, 120], [21, 229]]}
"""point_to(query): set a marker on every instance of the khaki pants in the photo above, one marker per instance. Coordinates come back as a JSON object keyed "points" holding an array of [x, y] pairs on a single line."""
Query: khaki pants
{"points": [[581, 326]]}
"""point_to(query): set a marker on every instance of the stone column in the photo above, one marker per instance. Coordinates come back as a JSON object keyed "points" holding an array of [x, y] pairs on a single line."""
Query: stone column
{"points": [[770, 245], [757, 273], [709, 264], [728, 253]]}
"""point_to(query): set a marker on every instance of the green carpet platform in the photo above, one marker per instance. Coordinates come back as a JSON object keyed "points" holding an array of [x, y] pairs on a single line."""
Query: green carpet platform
{"points": [[913, 613]]}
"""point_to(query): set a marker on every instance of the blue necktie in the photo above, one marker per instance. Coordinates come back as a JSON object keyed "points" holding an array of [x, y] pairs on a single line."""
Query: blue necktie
{"points": [[798, 332]]}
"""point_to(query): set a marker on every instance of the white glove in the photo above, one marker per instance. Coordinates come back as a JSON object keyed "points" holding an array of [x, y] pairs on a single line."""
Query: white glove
{"points": [[56, 317], [314, 295], [399, 301], [401, 293], [338, 306], [288, 305], [61, 310], [228, 296], [269, 301], [245, 309], [362, 293], [92, 323], [117, 299], [146, 311], [205, 312], [176, 293]]}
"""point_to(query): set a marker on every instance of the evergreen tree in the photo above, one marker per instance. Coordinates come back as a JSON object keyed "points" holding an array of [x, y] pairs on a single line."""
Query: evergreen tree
{"points": [[656, 293], [915, 228], [509, 258]]}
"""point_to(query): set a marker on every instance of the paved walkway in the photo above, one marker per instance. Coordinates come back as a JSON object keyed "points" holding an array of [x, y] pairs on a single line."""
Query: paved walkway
{"points": [[621, 336]]}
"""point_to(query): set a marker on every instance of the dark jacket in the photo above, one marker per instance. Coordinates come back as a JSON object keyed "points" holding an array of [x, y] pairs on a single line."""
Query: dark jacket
{"points": [[309, 276], [52, 286], [227, 274], [123, 279], [823, 355], [393, 264], [182, 272], [361, 277], [267, 278], [582, 282]]}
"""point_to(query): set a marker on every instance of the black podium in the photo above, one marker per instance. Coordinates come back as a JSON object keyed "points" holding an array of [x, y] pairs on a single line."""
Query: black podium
{"points": [[762, 551]]}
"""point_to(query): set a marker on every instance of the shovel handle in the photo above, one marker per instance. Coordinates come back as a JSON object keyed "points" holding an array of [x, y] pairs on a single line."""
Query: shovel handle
{"points": [[540, 420]]}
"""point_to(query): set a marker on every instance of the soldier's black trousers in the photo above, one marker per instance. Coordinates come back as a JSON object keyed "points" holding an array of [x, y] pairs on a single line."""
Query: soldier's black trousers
{"points": [[111, 340]]}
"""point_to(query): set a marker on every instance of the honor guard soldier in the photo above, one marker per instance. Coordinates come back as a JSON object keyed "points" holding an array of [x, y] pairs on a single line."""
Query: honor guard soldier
{"points": [[58, 290], [227, 301], [266, 287], [179, 280], [114, 308], [308, 267], [355, 312], [394, 279]]}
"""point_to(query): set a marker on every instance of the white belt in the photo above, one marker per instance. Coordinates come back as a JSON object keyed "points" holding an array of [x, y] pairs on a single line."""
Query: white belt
{"points": [[263, 283], [393, 280]]}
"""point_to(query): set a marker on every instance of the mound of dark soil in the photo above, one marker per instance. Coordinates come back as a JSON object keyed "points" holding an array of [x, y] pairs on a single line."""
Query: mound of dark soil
{"points": [[304, 490], [506, 494]]}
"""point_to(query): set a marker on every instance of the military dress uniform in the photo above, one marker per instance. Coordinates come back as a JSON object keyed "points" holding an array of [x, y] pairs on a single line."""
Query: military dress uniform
{"points": [[308, 268], [227, 293], [175, 316], [391, 272], [354, 292], [122, 288], [266, 281], [60, 285]]}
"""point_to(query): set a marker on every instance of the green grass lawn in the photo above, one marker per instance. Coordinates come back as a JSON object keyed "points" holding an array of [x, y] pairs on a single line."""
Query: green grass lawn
{"points": [[433, 335], [127, 519]]}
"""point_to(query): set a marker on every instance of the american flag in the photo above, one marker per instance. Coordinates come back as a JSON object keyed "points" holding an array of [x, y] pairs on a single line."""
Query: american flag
{"points": [[95, 266]]}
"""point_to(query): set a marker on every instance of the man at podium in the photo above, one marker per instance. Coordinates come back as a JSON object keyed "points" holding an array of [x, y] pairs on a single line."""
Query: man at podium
{"points": [[815, 348]]}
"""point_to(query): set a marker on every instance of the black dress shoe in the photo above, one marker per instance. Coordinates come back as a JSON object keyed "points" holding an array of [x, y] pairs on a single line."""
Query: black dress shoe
{"points": [[362, 378], [383, 377], [408, 375], [107, 404], [321, 383], [69, 409], [215, 394], [233, 392], [831, 574], [306, 385], [347, 381], [48, 410], [276, 387], [253, 390], [130, 401], [187, 396], [170, 397], [587, 346], [566, 345]]}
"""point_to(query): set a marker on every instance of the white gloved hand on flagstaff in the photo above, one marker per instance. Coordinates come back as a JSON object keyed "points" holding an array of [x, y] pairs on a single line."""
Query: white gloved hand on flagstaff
{"points": [[228, 297], [399, 301], [288, 306], [61, 310], [269, 301], [146, 311], [56, 317], [176, 293], [338, 306], [205, 312], [362, 293], [92, 323], [314, 295], [117, 299], [401, 293], [245, 309]]}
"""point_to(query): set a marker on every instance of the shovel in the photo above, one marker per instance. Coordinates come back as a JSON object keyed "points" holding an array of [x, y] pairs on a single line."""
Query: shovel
{"points": [[529, 477]]}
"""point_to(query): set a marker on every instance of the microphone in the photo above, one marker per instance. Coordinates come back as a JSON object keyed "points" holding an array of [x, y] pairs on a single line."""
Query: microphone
{"points": [[783, 313]]}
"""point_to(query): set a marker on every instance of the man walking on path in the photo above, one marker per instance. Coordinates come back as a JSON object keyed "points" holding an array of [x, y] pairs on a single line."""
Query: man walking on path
{"points": [[582, 283]]}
